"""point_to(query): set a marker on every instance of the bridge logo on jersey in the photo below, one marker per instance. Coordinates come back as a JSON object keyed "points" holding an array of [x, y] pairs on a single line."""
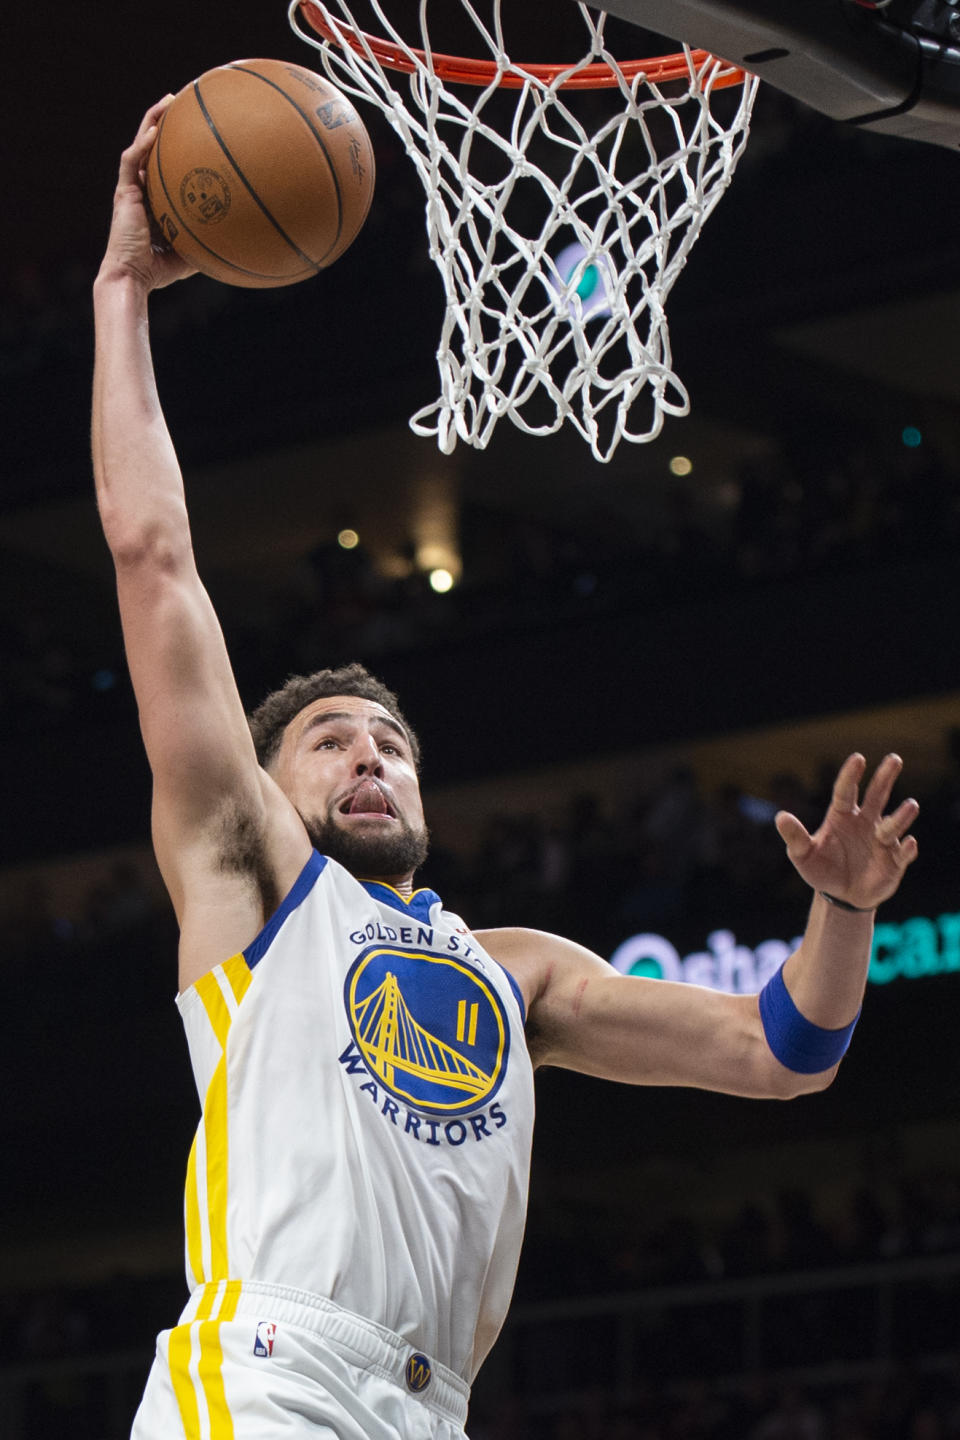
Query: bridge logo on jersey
{"points": [[432, 1030]]}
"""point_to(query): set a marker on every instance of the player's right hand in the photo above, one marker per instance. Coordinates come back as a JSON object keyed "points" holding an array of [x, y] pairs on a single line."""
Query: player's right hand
{"points": [[135, 247]]}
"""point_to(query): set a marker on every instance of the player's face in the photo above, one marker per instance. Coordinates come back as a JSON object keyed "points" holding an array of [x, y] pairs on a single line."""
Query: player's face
{"points": [[347, 766]]}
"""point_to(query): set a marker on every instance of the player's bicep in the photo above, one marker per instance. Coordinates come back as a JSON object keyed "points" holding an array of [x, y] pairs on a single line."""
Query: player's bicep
{"points": [[651, 1032]]}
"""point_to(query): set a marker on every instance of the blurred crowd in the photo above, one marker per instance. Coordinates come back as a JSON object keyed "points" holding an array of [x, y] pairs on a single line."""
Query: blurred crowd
{"points": [[787, 1232], [793, 516], [672, 853], [899, 1406]]}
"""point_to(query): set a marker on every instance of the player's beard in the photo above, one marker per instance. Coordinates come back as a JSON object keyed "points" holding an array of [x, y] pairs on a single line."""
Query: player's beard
{"points": [[373, 855]]}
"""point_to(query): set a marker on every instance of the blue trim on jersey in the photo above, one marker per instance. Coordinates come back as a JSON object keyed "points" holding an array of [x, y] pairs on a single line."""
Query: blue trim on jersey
{"points": [[516, 990], [419, 905], [299, 891]]}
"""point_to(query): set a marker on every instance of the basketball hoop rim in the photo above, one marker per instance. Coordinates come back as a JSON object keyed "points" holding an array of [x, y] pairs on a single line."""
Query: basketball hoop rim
{"points": [[461, 70]]}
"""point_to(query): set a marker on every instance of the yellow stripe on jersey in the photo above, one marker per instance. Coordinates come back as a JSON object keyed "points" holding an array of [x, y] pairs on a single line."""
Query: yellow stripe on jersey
{"points": [[220, 990], [239, 975], [215, 1133], [191, 1217], [208, 988]]}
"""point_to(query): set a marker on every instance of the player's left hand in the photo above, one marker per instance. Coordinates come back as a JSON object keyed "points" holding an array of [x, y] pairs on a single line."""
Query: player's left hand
{"points": [[859, 854]]}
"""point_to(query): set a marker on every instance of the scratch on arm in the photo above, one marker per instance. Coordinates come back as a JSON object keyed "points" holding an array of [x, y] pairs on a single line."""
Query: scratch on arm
{"points": [[578, 996]]}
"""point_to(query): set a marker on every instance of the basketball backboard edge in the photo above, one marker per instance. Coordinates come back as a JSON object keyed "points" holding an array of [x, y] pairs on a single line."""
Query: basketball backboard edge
{"points": [[891, 67]]}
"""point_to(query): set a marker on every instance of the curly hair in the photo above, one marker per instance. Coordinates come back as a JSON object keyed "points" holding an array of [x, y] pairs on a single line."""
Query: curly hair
{"points": [[273, 715]]}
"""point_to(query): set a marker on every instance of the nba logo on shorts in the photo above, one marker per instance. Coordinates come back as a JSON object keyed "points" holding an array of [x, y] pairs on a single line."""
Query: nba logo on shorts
{"points": [[266, 1332]]}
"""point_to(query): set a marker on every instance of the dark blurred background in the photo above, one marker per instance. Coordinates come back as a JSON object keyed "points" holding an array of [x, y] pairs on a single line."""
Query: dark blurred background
{"points": [[636, 666]]}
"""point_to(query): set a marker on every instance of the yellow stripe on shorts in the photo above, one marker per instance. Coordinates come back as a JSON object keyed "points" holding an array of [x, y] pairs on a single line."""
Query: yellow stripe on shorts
{"points": [[179, 1353], [210, 1368], [201, 1338]]}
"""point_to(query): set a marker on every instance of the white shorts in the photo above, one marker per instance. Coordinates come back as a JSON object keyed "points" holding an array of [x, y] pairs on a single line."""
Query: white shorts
{"points": [[263, 1362]]}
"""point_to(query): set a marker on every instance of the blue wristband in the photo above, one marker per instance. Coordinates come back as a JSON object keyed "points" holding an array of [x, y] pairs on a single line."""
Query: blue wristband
{"points": [[795, 1041]]}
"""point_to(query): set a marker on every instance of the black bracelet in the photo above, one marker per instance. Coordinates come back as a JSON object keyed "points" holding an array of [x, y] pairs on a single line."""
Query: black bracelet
{"points": [[845, 904]]}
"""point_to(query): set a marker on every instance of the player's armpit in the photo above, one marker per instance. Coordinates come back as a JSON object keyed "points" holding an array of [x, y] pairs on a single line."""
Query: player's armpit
{"points": [[216, 815]]}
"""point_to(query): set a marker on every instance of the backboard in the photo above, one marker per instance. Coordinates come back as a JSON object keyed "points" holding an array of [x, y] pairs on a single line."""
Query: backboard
{"points": [[892, 66]]}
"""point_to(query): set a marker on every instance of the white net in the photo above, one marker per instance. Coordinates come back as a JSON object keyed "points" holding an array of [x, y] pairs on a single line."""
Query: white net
{"points": [[559, 220]]}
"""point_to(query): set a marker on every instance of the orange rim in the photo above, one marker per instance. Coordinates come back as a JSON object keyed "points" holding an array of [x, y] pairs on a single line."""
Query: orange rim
{"points": [[462, 71]]}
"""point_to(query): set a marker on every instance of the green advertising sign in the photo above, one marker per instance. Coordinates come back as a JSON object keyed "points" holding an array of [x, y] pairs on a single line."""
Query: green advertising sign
{"points": [[915, 948], [908, 950]]}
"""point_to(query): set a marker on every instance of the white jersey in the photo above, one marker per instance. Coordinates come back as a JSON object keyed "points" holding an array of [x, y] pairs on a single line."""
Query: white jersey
{"points": [[367, 1115]]}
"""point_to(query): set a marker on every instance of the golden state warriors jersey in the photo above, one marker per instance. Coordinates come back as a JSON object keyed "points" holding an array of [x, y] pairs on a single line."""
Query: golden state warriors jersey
{"points": [[367, 1115]]}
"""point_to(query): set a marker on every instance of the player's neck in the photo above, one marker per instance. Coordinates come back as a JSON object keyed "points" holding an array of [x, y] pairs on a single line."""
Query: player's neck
{"points": [[403, 886]]}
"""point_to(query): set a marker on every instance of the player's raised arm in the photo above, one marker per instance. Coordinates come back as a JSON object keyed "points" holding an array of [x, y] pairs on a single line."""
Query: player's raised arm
{"points": [[206, 779], [789, 1039]]}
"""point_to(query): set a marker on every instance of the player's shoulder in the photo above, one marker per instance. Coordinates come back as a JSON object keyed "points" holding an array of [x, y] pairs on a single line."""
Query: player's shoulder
{"points": [[536, 946], [537, 959], [518, 942]]}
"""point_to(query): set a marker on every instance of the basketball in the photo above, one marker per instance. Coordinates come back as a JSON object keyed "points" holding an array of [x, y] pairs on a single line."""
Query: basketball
{"points": [[262, 173]]}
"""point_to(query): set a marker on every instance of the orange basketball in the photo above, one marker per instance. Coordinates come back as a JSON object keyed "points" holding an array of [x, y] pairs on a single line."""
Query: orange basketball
{"points": [[262, 173]]}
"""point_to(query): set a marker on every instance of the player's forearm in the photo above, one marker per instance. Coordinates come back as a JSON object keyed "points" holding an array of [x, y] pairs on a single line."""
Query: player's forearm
{"points": [[827, 975], [138, 480]]}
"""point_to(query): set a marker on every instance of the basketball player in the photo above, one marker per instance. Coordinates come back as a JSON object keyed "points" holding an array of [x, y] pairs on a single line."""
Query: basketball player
{"points": [[356, 1190]]}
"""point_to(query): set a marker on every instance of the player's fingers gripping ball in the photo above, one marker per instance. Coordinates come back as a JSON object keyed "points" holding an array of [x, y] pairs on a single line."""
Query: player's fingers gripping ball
{"points": [[262, 173]]}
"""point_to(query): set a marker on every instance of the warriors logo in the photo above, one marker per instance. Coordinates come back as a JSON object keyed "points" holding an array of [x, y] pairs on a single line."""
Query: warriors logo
{"points": [[429, 1028], [418, 1372]]}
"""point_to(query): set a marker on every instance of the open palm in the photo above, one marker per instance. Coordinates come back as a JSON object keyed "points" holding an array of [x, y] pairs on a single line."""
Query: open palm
{"points": [[859, 854]]}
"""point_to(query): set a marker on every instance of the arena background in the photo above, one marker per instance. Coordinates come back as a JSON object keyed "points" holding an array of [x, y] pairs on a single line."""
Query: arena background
{"points": [[633, 669]]}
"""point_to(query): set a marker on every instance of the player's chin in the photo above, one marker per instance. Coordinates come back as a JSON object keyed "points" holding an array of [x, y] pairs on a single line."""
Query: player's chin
{"points": [[370, 844]]}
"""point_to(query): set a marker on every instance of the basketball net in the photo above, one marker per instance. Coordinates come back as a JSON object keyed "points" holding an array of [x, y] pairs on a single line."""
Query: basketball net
{"points": [[558, 223]]}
